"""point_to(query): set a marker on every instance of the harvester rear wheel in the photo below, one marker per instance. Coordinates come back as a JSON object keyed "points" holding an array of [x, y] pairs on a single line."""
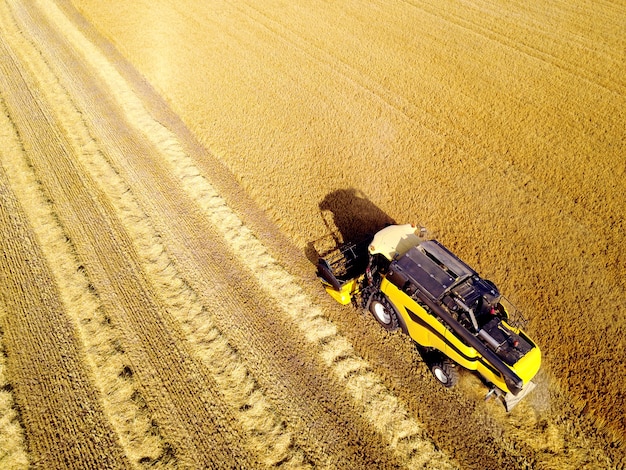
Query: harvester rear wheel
{"points": [[445, 372]]}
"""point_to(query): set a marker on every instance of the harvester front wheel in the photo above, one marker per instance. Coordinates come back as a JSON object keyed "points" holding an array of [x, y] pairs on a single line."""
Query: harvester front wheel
{"points": [[384, 312]]}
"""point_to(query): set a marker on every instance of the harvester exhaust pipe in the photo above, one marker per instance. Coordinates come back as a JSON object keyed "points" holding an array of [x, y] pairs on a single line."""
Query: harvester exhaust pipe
{"points": [[468, 310], [482, 333], [487, 337]]}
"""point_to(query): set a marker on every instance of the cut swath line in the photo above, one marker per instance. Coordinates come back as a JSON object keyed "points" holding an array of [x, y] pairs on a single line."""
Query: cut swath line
{"points": [[120, 399], [268, 437], [225, 365], [12, 445], [383, 410]]}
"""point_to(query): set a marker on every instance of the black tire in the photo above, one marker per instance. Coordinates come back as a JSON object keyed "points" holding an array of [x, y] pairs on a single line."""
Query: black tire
{"points": [[383, 312], [445, 372]]}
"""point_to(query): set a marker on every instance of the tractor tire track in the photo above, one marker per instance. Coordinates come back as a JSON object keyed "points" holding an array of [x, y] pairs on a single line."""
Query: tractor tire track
{"points": [[462, 139]]}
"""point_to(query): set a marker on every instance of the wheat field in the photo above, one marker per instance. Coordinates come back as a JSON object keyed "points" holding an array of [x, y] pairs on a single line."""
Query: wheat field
{"points": [[169, 170]]}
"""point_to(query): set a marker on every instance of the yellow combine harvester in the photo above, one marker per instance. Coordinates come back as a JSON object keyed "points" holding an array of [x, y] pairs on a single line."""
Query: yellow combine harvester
{"points": [[454, 316]]}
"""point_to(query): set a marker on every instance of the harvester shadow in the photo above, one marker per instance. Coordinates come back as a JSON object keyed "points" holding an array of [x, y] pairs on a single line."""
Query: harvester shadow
{"points": [[349, 217]]}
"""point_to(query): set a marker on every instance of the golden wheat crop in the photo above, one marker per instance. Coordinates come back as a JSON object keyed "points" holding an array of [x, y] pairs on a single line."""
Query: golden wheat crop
{"points": [[168, 170]]}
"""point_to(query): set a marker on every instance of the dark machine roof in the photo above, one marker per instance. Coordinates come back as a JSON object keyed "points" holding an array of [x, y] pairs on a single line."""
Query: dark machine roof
{"points": [[431, 267]]}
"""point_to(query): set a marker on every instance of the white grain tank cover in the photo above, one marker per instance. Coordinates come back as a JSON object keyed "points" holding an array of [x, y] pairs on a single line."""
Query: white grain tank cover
{"points": [[395, 240]]}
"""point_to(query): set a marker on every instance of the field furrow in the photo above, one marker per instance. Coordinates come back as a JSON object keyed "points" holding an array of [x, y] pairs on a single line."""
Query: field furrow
{"points": [[157, 356], [58, 403], [13, 453]]}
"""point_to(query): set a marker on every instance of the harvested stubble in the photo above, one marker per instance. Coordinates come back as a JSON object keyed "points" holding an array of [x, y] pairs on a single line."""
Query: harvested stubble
{"points": [[122, 400], [92, 180], [154, 353], [45, 363], [219, 326], [12, 446], [214, 205]]}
